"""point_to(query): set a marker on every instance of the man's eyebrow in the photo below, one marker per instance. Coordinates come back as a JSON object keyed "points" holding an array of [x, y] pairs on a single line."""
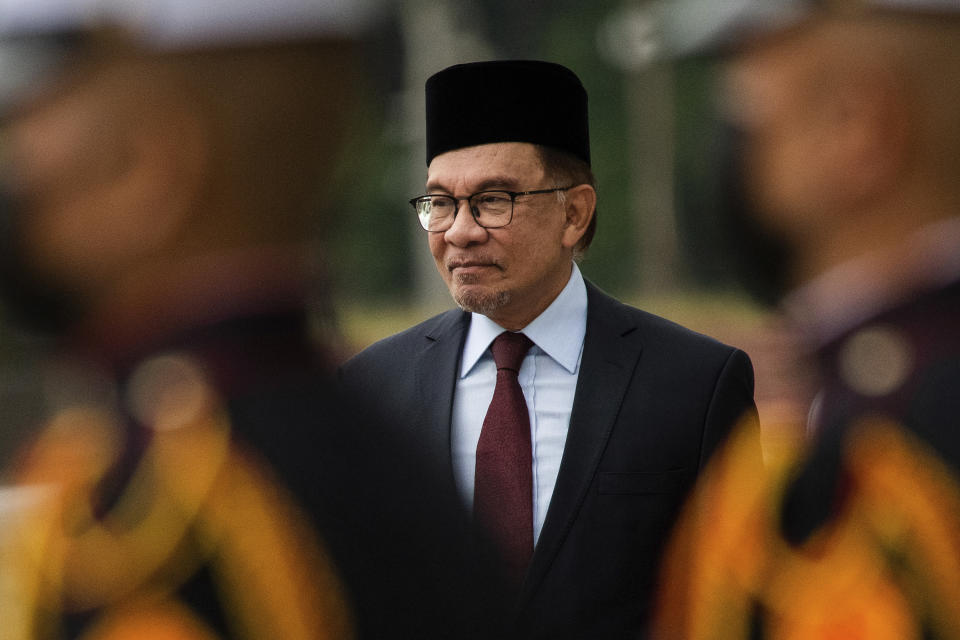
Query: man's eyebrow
{"points": [[493, 182], [498, 182]]}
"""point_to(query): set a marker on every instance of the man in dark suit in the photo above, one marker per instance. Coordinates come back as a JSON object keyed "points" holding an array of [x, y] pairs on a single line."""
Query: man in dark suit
{"points": [[620, 410], [849, 151]]}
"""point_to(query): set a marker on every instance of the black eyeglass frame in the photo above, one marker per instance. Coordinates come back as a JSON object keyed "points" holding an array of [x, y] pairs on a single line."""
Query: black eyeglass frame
{"points": [[474, 211]]}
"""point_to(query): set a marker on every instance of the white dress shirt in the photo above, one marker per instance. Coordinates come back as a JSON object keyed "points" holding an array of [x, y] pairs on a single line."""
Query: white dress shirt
{"points": [[548, 377]]}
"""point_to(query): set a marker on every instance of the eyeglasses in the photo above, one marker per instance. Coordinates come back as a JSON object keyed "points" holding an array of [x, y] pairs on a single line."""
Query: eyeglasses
{"points": [[491, 209]]}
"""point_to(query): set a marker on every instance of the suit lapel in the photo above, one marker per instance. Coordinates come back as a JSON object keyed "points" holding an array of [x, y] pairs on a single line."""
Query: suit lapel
{"points": [[437, 368], [610, 354]]}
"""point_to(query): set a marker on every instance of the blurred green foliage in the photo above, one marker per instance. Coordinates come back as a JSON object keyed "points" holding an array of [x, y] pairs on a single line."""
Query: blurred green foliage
{"points": [[369, 245], [570, 39]]}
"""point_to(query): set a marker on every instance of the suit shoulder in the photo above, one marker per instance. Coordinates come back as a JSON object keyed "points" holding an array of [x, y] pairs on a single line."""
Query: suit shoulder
{"points": [[674, 347], [406, 341], [655, 329], [675, 332]]}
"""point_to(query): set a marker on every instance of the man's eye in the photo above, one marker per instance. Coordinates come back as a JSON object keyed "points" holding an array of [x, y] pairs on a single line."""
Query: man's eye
{"points": [[441, 203], [494, 199]]}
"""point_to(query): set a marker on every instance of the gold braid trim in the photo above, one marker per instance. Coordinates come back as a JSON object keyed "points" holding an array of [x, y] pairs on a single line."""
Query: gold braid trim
{"points": [[193, 499], [886, 566]]}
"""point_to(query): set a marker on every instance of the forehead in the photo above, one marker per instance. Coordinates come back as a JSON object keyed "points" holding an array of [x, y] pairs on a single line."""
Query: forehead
{"points": [[500, 164], [767, 75]]}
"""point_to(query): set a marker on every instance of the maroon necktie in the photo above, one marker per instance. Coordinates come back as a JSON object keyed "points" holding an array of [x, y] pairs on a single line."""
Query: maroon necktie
{"points": [[503, 489]]}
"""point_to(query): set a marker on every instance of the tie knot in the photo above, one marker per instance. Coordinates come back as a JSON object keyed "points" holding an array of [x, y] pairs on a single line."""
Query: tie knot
{"points": [[509, 350]]}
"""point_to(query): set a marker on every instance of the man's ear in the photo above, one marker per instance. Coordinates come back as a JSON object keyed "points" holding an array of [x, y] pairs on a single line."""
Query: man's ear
{"points": [[579, 206]]}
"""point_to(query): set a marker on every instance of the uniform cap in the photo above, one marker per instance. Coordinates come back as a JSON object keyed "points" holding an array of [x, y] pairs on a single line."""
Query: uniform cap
{"points": [[705, 26], [38, 38], [190, 23]]}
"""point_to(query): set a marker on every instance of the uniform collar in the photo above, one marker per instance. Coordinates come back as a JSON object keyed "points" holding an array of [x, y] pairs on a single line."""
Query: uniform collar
{"points": [[855, 291]]}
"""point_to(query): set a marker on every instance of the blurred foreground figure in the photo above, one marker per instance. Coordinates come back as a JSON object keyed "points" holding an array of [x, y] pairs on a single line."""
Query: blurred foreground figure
{"points": [[196, 479], [848, 151]]}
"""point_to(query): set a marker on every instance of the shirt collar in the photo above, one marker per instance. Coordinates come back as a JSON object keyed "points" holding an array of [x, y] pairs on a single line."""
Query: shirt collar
{"points": [[558, 331]]}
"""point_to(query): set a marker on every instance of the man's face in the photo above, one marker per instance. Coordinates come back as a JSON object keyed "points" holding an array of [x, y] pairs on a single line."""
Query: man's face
{"points": [[58, 229], [90, 164], [513, 273], [67, 170], [773, 95]]}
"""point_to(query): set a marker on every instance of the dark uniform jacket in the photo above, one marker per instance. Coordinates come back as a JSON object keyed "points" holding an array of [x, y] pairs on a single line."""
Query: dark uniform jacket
{"points": [[901, 366], [395, 537]]}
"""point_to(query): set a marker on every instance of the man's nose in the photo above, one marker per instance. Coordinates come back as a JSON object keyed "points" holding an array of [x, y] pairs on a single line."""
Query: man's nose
{"points": [[465, 228]]}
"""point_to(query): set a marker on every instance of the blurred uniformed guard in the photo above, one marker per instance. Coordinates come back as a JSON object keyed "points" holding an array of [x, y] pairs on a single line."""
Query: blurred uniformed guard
{"points": [[848, 152], [162, 163]]}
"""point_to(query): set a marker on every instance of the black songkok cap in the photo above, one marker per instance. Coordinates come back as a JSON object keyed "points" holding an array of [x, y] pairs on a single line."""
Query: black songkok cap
{"points": [[507, 101]]}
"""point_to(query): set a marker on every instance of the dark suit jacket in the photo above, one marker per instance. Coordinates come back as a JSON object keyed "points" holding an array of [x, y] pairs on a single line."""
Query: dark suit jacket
{"points": [[653, 400]]}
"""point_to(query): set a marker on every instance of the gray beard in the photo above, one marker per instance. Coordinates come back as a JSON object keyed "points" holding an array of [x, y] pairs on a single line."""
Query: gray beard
{"points": [[484, 304]]}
